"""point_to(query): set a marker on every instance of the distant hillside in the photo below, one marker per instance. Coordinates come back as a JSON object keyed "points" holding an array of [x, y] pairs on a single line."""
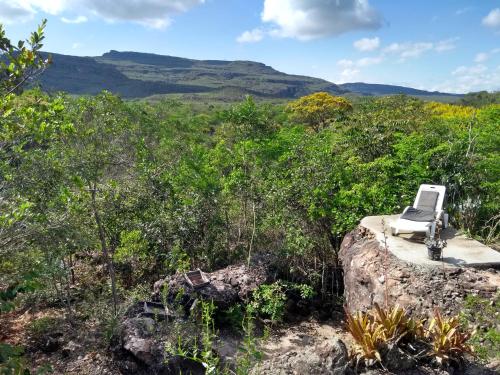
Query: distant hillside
{"points": [[140, 75], [137, 75], [380, 89]]}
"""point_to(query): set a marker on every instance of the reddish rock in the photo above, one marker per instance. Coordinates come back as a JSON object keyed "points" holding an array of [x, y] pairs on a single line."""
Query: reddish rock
{"points": [[373, 275]]}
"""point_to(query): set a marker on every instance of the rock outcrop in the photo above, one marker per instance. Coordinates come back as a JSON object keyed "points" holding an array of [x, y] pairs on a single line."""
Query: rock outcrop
{"points": [[146, 340], [329, 358], [227, 286], [372, 274], [143, 341]]}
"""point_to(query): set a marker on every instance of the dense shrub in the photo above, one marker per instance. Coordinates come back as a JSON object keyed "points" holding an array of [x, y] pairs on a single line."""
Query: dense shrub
{"points": [[151, 189]]}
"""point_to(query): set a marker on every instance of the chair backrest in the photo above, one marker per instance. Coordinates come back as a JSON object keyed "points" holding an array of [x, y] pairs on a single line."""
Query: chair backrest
{"points": [[430, 197]]}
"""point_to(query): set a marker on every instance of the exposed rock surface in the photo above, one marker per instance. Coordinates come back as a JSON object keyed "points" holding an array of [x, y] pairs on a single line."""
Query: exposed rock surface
{"points": [[328, 358], [145, 341], [371, 273], [227, 286]]}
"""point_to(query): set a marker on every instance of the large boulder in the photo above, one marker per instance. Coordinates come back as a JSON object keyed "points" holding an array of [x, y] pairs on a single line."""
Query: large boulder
{"points": [[226, 286], [372, 274], [137, 338], [145, 340]]}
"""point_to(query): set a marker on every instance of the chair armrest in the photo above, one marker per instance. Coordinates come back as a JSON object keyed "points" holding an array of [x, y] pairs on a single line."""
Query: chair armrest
{"points": [[406, 209]]}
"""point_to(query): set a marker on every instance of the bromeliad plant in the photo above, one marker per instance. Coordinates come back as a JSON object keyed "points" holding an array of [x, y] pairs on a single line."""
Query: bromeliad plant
{"points": [[369, 336], [394, 321], [398, 324], [374, 330], [449, 341]]}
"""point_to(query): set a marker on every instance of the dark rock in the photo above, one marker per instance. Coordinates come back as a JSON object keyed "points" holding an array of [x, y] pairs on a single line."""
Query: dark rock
{"points": [[395, 359], [51, 344], [128, 367], [227, 286]]}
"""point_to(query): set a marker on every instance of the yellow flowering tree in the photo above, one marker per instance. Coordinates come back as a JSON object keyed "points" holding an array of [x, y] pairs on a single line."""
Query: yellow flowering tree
{"points": [[319, 109], [450, 111]]}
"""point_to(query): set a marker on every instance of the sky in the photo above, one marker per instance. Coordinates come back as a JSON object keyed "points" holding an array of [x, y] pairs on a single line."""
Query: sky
{"points": [[444, 45]]}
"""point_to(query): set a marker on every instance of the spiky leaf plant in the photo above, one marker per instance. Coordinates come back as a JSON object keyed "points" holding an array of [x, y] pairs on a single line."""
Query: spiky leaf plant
{"points": [[369, 336], [449, 341], [398, 324]]}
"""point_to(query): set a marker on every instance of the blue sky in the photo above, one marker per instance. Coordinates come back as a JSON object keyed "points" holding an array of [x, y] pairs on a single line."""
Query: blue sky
{"points": [[446, 45]]}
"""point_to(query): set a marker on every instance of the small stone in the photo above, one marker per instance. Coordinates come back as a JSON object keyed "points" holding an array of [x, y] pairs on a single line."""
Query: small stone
{"points": [[70, 348]]}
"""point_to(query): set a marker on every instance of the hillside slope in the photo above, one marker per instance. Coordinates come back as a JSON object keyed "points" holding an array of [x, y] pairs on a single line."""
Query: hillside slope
{"points": [[136, 75], [140, 75]]}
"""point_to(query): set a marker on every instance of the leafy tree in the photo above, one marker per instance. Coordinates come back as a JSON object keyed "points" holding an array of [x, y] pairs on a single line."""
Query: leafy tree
{"points": [[480, 99], [319, 109], [450, 111], [31, 182], [100, 157], [22, 61]]}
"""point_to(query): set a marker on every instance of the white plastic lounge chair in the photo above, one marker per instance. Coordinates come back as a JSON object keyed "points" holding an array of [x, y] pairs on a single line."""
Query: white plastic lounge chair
{"points": [[425, 214]]}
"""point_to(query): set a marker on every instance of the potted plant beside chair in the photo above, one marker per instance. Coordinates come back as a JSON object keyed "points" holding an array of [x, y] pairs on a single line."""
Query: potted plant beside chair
{"points": [[435, 247]]}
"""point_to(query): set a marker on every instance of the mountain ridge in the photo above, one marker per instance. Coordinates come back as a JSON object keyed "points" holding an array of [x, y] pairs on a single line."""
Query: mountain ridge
{"points": [[140, 75], [383, 89]]}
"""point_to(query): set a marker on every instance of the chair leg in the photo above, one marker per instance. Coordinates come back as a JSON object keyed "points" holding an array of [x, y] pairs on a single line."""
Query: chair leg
{"points": [[432, 230], [445, 221], [394, 231]]}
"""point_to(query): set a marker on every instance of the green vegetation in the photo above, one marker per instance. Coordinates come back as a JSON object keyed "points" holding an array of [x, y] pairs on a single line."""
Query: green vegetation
{"points": [[481, 98], [21, 62], [155, 188], [269, 300], [481, 315], [100, 197]]}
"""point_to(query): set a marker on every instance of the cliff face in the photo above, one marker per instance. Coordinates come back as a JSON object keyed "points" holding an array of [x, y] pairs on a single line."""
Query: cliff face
{"points": [[371, 274]]}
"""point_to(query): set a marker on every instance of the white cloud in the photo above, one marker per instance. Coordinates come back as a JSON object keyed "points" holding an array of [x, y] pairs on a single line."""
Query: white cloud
{"points": [[352, 68], [311, 19], [12, 12], [481, 57], [76, 45], [251, 36], [367, 44], [76, 20], [367, 61], [348, 75], [469, 70], [360, 63], [484, 56], [492, 19], [461, 11], [151, 13], [407, 50], [446, 45], [345, 63], [471, 78]]}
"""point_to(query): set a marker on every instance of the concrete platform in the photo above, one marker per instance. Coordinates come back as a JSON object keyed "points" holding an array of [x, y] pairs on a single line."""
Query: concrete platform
{"points": [[460, 250]]}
